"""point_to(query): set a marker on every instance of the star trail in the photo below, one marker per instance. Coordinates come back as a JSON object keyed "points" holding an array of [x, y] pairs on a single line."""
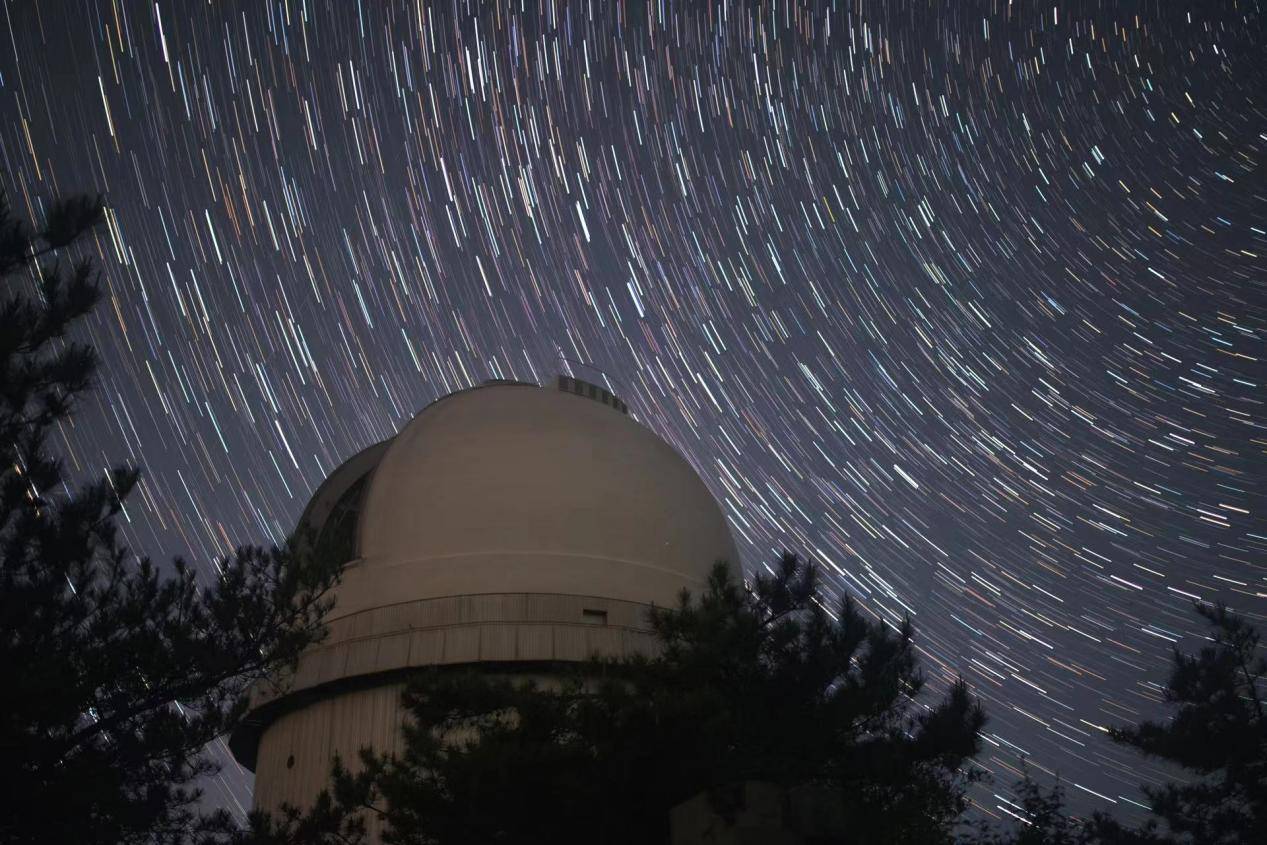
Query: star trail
{"points": [[965, 301]]}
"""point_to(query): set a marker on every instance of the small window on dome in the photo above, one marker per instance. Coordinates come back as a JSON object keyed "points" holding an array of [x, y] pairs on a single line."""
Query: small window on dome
{"points": [[594, 617]]}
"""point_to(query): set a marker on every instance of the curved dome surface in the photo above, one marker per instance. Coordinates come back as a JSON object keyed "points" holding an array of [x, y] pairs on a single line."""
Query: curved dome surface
{"points": [[512, 488], [505, 526]]}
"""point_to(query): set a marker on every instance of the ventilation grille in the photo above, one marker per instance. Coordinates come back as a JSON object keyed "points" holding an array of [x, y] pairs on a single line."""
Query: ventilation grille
{"points": [[591, 391]]}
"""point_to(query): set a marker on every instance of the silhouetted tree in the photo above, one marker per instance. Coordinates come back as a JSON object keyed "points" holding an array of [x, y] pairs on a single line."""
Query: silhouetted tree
{"points": [[751, 684], [1218, 733], [1039, 819], [115, 675]]}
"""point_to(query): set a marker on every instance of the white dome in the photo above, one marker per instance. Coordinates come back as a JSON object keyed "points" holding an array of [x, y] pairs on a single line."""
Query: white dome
{"points": [[505, 526], [516, 489]]}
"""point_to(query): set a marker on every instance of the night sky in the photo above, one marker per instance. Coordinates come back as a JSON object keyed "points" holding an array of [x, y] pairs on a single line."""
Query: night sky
{"points": [[966, 301]]}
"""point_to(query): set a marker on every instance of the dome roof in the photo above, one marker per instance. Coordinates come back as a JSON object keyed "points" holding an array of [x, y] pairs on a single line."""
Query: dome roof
{"points": [[511, 488], [504, 525]]}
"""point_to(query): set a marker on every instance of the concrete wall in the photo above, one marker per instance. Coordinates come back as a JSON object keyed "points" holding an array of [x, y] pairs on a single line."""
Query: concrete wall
{"points": [[331, 715], [468, 629], [297, 750]]}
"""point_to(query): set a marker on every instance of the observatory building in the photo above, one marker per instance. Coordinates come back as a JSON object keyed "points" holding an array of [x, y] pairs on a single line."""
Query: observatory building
{"points": [[509, 527]]}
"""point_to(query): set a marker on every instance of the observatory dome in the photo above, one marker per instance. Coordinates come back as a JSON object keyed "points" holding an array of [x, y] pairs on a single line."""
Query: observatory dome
{"points": [[507, 526], [509, 488]]}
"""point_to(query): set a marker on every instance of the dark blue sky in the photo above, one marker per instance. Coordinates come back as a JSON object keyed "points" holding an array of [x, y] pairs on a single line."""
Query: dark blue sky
{"points": [[966, 301]]}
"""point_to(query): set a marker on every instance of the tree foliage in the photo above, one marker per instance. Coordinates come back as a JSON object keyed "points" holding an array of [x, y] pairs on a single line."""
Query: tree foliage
{"points": [[1039, 818], [760, 683], [1218, 734], [116, 674]]}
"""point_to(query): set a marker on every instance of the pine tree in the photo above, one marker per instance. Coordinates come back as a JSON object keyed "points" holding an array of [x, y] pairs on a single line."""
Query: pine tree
{"points": [[116, 672], [1039, 818], [751, 684], [1218, 733]]}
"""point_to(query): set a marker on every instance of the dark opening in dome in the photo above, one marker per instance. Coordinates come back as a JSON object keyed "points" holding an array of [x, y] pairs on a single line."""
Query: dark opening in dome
{"points": [[338, 534]]}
